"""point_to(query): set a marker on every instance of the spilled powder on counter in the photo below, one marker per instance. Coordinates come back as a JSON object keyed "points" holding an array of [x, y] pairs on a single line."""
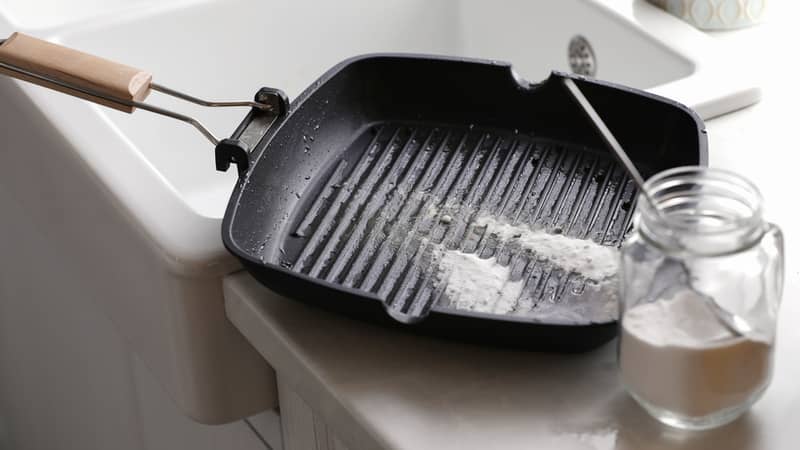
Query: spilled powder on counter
{"points": [[590, 440], [675, 355]]}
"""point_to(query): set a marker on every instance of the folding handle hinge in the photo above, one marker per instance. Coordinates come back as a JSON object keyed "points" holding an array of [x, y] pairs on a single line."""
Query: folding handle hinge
{"points": [[237, 148], [233, 151]]}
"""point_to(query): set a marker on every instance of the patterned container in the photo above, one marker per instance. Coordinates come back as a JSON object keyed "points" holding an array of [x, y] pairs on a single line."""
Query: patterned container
{"points": [[716, 14]]}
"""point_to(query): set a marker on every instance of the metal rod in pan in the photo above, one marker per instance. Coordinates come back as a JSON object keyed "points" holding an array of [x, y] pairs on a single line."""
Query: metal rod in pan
{"points": [[141, 105], [610, 140]]}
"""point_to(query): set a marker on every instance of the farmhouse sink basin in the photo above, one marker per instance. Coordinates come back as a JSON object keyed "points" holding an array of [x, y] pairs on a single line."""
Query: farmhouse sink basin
{"points": [[228, 49], [134, 202]]}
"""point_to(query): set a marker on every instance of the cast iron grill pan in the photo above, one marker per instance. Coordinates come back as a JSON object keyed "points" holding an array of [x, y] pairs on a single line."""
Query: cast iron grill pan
{"points": [[387, 159]]}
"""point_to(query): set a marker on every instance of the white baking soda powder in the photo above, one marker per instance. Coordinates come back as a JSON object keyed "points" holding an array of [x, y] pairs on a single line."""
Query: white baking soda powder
{"points": [[583, 256], [676, 356], [477, 284], [484, 285]]}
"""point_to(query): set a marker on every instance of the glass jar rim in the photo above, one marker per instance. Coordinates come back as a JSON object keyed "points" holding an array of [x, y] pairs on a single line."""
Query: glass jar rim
{"points": [[687, 175]]}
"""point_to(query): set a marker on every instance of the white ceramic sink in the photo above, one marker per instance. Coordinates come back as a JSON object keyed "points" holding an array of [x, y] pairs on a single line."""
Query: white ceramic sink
{"points": [[228, 49]]}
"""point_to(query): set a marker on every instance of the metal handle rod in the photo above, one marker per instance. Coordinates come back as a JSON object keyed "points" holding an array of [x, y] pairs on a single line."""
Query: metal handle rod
{"points": [[611, 141], [141, 105], [201, 102]]}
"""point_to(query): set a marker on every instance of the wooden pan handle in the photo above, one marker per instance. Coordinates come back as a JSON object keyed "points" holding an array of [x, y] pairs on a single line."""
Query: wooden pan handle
{"points": [[72, 67]]}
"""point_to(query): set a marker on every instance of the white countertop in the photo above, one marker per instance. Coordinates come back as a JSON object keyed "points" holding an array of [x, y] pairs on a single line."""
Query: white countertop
{"points": [[383, 388]]}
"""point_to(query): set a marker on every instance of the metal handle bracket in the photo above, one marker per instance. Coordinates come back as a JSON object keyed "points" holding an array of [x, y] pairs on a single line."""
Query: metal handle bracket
{"points": [[253, 128]]}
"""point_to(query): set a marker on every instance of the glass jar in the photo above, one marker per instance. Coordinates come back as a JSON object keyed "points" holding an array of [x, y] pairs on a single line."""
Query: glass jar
{"points": [[708, 242]]}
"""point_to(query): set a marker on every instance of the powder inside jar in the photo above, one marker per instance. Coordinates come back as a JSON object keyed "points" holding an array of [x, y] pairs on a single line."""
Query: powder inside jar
{"points": [[676, 356]]}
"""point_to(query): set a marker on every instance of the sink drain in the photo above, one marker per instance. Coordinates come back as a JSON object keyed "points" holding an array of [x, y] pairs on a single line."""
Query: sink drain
{"points": [[581, 56]]}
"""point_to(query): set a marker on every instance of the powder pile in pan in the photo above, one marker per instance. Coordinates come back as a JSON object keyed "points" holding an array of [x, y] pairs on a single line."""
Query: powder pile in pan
{"points": [[592, 260], [484, 285], [477, 284]]}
